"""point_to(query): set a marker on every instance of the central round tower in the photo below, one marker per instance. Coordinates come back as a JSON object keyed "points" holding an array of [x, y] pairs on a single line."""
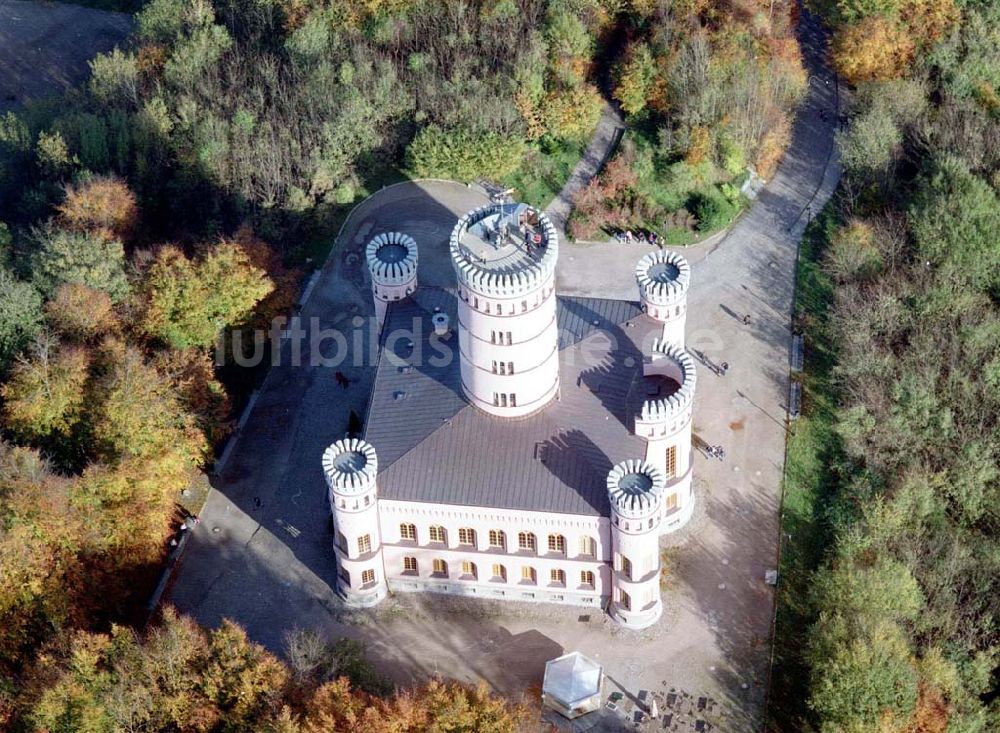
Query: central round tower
{"points": [[504, 257]]}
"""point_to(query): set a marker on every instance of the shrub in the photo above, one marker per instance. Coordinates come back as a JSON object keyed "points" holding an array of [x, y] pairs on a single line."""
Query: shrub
{"points": [[712, 209]]}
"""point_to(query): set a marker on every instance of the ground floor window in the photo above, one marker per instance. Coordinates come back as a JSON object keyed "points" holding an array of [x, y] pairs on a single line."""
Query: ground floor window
{"points": [[441, 568], [587, 578], [367, 576], [469, 569], [410, 564], [500, 573], [528, 575]]}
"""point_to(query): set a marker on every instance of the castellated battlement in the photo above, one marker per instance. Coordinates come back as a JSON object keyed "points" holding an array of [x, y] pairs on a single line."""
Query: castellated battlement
{"points": [[350, 466], [392, 258], [674, 368], [663, 277], [504, 250], [635, 488]]}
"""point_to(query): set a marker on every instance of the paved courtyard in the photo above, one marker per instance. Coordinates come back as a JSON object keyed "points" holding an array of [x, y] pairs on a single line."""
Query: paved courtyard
{"points": [[262, 553]]}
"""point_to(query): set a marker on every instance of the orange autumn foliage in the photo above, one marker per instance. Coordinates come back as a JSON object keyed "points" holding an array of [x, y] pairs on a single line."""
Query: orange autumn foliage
{"points": [[102, 204], [874, 49]]}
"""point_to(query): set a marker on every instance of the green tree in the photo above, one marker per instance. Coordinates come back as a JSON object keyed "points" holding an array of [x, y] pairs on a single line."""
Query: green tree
{"points": [[44, 395], [187, 302], [62, 256], [20, 315], [955, 217], [634, 79], [135, 411]]}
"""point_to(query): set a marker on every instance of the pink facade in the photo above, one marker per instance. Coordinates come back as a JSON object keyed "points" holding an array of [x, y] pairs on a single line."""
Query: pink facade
{"points": [[504, 258]]}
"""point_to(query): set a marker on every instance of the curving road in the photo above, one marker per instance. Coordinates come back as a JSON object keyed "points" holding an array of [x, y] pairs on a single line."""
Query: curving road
{"points": [[261, 554]]}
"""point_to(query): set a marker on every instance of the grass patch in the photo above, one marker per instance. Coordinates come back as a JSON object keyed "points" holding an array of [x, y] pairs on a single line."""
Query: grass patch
{"points": [[545, 170], [812, 453]]}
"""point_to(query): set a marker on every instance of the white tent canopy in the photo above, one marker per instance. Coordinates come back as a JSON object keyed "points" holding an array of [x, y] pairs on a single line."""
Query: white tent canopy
{"points": [[572, 684]]}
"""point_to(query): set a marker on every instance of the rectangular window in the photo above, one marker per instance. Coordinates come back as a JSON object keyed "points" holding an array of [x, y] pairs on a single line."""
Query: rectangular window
{"points": [[672, 461], [625, 566], [498, 539], [468, 568], [409, 564], [558, 577], [587, 578], [496, 400], [364, 544], [367, 576], [503, 368], [510, 367], [500, 573], [436, 533], [513, 400], [408, 532], [509, 340], [493, 334], [503, 400], [528, 575], [586, 546], [466, 536], [341, 542], [625, 600], [345, 576], [494, 366], [524, 306], [672, 501], [441, 568]]}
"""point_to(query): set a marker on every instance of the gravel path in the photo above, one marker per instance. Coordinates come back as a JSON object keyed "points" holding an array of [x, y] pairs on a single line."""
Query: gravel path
{"points": [[602, 144]]}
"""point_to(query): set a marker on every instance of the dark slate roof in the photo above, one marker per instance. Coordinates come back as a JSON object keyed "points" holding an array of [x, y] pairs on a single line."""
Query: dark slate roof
{"points": [[435, 447]]}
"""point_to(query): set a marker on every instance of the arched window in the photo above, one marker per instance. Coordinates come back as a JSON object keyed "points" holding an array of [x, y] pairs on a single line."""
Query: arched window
{"points": [[526, 542], [557, 577], [467, 536], [468, 570], [528, 575], [409, 565], [498, 539], [587, 546], [557, 544], [437, 533], [408, 532], [440, 568], [499, 573], [587, 578]]}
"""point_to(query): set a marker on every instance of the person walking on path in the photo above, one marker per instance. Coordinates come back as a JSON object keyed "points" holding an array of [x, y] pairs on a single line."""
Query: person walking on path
{"points": [[746, 320]]}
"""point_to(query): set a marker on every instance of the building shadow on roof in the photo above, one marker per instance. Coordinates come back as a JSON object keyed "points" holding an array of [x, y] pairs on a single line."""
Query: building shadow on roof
{"points": [[576, 461]]}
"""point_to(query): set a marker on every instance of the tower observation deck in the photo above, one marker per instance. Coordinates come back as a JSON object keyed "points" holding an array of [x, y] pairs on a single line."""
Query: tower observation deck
{"points": [[504, 257]]}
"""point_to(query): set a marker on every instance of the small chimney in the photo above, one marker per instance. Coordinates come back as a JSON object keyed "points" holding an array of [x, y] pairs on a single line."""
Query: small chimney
{"points": [[440, 321]]}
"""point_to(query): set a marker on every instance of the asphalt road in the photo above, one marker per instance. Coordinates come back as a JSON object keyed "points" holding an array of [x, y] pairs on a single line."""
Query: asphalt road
{"points": [[261, 554]]}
